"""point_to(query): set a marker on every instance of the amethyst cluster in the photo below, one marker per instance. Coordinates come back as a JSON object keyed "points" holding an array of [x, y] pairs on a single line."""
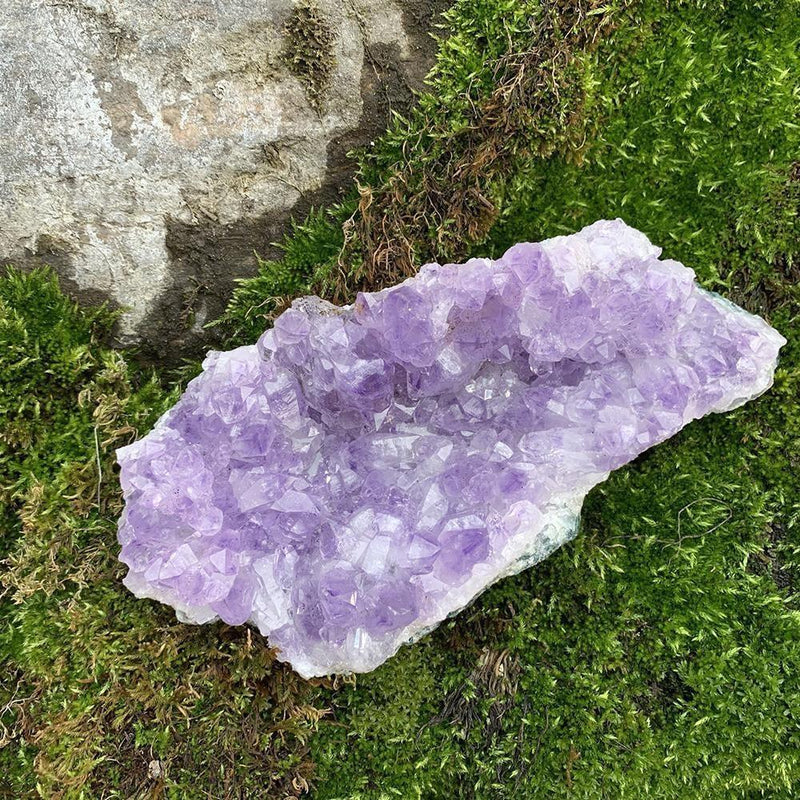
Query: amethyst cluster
{"points": [[362, 472]]}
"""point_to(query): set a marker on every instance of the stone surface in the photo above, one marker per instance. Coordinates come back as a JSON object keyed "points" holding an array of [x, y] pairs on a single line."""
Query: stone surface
{"points": [[363, 472], [148, 147]]}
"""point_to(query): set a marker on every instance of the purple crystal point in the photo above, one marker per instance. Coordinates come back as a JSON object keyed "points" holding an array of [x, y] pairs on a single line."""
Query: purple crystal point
{"points": [[363, 472]]}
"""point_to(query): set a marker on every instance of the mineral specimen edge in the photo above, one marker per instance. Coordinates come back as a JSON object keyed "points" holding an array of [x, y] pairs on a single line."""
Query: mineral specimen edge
{"points": [[363, 472]]}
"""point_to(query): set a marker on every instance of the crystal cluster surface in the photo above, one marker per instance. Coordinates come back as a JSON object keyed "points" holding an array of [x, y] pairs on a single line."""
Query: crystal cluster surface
{"points": [[362, 472]]}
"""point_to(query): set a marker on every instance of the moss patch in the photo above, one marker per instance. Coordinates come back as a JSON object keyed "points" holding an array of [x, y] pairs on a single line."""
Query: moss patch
{"points": [[102, 695], [308, 49]]}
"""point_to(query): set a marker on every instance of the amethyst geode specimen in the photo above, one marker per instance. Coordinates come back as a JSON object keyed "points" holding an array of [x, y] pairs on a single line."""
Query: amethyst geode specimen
{"points": [[363, 472]]}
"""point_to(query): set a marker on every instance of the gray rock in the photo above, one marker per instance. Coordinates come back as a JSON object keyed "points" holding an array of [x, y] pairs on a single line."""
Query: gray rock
{"points": [[149, 147]]}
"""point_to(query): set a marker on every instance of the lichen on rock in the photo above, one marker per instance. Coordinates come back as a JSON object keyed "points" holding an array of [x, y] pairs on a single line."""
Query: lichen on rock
{"points": [[308, 50]]}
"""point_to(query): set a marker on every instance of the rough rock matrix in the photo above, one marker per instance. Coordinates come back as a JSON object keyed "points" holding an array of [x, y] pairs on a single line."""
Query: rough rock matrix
{"points": [[148, 147], [363, 472]]}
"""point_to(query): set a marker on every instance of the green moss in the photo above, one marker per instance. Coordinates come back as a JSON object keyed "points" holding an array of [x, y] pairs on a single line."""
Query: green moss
{"points": [[696, 145], [96, 687]]}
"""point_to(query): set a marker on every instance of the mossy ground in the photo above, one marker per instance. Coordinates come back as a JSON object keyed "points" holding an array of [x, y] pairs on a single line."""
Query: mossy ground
{"points": [[656, 655]]}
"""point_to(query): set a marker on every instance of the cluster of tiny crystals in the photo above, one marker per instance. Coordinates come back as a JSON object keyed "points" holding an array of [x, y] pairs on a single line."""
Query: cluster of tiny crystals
{"points": [[362, 472]]}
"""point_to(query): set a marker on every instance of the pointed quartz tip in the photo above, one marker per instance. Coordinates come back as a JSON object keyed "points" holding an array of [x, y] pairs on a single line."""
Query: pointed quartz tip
{"points": [[363, 472]]}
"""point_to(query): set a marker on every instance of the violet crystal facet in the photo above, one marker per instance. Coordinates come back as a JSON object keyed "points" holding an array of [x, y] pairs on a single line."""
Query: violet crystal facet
{"points": [[363, 472]]}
